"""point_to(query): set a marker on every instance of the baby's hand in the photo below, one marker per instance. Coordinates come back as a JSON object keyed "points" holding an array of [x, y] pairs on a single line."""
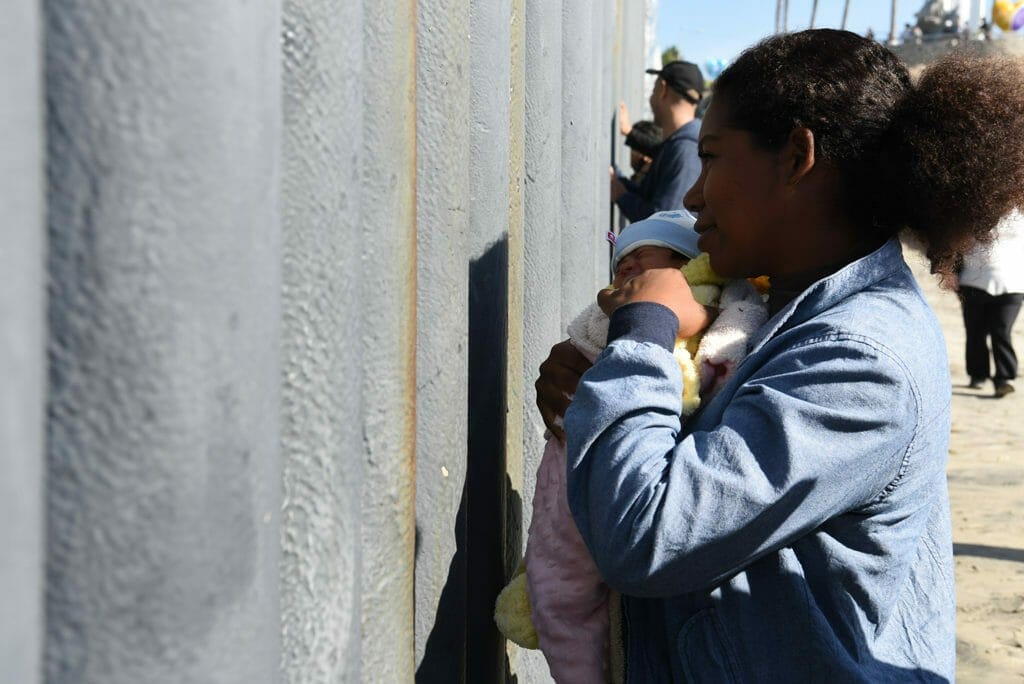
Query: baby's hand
{"points": [[665, 286]]}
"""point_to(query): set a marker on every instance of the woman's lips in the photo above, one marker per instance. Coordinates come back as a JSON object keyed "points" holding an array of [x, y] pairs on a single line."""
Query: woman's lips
{"points": [[702, 228]]}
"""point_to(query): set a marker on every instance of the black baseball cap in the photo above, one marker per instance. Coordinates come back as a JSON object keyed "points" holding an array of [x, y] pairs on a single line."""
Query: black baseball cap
{"points": [[684, 78]]}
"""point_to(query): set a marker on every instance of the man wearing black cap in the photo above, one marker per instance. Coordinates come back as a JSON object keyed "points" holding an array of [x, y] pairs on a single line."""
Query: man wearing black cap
{"points": [[675, 168]]}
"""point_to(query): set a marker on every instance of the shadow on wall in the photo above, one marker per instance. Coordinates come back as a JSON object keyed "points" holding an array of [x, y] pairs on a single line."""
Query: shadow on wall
{"points": [[448, 655], [464, 644], [444, 656]]}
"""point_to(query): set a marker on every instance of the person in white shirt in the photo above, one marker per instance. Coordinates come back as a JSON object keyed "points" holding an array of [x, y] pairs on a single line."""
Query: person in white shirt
{"points": [[991, 288]]}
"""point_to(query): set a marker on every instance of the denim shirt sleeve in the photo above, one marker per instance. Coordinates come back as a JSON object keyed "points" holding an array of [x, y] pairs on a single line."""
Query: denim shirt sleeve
{"points": [[820, 428]]}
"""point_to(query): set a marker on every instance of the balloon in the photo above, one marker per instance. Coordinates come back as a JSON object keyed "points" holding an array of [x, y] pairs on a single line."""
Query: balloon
{"points": [[714, 67], [1007, 15]]}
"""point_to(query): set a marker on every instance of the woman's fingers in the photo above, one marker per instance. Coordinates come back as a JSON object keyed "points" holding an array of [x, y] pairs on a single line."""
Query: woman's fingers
{"points": [[665, 286], [609, 299], [559, 375]]}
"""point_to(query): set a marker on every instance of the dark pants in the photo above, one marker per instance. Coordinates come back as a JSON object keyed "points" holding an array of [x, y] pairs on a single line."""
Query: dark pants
{"points": [[987, 316]]}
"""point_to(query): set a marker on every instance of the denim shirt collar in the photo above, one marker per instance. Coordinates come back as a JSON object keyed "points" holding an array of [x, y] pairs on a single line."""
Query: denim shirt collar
{"points": [[825, 293]]}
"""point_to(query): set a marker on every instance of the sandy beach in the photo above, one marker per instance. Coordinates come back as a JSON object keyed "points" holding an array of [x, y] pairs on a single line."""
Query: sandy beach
{"points": [[986, 480]]}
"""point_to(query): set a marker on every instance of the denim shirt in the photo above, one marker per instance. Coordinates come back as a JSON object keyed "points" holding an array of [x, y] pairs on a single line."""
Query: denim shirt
{"points": [[796, 528]]}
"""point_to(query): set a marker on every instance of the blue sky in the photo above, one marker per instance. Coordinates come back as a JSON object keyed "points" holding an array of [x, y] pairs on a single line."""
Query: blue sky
{"points": [[720, 29]]}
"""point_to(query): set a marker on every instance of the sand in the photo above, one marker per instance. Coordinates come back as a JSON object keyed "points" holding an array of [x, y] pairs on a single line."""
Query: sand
{"points": [[986, 481]]}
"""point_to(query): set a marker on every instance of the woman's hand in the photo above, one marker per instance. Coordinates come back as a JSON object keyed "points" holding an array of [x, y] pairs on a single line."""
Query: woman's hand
{"points": [[559, 375], [665, 286]]}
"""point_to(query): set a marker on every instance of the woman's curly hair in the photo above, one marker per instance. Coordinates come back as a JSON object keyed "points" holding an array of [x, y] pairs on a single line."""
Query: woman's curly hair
{"points": [[942, 158], [957, 150]]}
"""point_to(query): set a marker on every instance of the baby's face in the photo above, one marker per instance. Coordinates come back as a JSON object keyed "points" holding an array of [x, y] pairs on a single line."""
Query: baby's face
{"points": [[646, 257]]}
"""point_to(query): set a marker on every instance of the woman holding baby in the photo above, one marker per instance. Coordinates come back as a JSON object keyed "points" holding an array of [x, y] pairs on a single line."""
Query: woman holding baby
{"points": [[796, 528]]}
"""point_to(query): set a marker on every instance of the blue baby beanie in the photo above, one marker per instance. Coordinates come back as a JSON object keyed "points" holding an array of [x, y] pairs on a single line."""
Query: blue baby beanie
{"points": [[672, 229]]}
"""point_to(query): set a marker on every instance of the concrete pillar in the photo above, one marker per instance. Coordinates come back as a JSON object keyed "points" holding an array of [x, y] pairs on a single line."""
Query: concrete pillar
{"points": [[542, 212], [542, 247], [632, 53], [323, 294], [605, 132], [641, 56], [22, 344], [579, 165], [646, 52], [652, 51], [629, 78], [517, 386], [618, 76], [489, 344], [163, 434], [387, 335], [443, 208]]}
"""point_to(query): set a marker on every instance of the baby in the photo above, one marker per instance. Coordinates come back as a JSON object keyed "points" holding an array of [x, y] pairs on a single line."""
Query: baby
{"points": [[568, 602]]}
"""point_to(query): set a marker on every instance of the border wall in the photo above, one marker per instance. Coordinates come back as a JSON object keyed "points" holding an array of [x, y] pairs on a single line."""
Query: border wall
{"points": [[278, 279]]}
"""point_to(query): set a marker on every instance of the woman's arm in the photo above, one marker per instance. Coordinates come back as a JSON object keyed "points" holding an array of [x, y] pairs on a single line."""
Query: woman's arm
{"points": [[820, 429]]}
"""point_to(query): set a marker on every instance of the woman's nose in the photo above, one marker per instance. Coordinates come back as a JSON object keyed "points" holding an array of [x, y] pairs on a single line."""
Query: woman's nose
{"points": [[693, 200]]}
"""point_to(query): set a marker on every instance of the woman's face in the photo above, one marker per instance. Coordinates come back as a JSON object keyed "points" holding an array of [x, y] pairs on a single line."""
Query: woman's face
{"points": [[738, 198]]}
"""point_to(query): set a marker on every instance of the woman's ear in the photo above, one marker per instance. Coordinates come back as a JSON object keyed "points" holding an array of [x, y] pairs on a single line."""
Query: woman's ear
{"points": [[798, 154]]}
